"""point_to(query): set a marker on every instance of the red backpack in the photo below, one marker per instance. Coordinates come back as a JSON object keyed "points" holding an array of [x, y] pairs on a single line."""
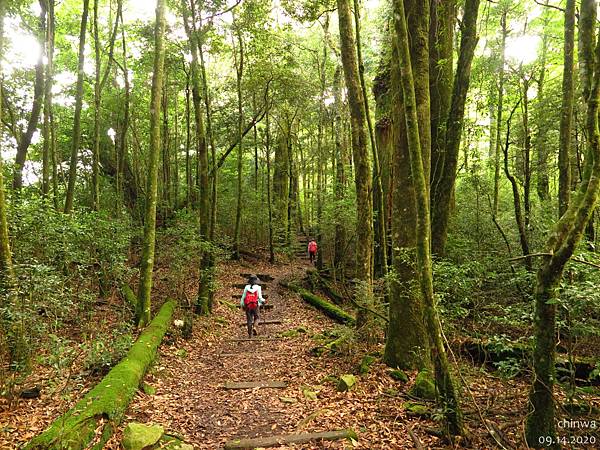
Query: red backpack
{"points": [[312, 247], [251, 300]]}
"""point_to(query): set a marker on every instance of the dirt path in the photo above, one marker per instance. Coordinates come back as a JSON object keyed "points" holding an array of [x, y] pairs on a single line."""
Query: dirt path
{"points": [[189, 378]]}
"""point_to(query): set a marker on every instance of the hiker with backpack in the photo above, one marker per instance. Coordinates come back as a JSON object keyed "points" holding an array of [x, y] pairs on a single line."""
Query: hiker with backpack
{"points": [[312, 250], [251, 302]]}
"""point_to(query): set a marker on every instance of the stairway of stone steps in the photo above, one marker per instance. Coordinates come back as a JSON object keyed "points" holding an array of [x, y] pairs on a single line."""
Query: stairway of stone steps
{"points": [[255, 352]]}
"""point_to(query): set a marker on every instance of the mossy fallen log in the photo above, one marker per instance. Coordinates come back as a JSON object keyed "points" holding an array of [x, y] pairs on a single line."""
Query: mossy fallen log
{"points": [[331, 310], [493, 355], [92, 421], [317, 281]]}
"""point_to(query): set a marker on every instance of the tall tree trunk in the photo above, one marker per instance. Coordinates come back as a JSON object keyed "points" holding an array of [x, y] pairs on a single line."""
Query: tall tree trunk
{"points": [[188, 142], [76, 136], [566, 118], [6, 266], [379, 256], [408, 346], [516, 195], [500, 104], [560, 246], [147, 259], [281, 183], [166, 153], [322, 67], [445, 159], [444, 381], [203, 302], [270, 205], [239, 70], [339, 187], [100, 81], [47, 130], [211, 140], [543, 180], [364, 203], [123, 157], [38, 100], [526, 158]]}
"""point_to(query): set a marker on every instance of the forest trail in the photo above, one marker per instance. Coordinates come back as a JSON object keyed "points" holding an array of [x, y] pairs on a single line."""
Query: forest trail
{"points": [[189, 377]]}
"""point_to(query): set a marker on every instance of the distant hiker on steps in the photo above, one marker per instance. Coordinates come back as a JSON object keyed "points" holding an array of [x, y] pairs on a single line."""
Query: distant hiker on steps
{"points": [[312, 250], [251, 302]]}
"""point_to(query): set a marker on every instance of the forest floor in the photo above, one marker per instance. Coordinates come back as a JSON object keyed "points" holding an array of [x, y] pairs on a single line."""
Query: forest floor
{"points": [[189, 378]]}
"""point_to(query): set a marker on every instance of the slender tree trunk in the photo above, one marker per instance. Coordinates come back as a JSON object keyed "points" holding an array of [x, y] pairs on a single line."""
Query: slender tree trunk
{"points": [[188, 159], [527, 158], [445, 159], [6, 266], [100, 81], [147, 260], [123, 157], [76, 136], [268, 157], [444, 381], [47, 130], [516, 195], [203, 303], [379, 256], [504, 31], [97, 102], [38, 100], [322, 66], [340, 184], [561, 244], [239, 70], [364, 205], [543, 180], [566, 118], [211, 140], [166, 154]]}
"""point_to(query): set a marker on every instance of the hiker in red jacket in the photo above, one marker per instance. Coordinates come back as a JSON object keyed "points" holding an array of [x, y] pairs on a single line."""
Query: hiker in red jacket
{"points": [[312, 250], [251, 301]]}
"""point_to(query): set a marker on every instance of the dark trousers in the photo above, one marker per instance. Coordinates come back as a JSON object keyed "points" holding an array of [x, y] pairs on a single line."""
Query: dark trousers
{"points": [[251, 319], [312, 256]]}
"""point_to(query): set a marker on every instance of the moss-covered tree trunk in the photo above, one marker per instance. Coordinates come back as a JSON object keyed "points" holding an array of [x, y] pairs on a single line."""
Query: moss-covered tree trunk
{"points": [[379, 256], [203, 300], [560, 246], [566, 117], [444, 383], [339, 187], [76, 135], [99, 82], [446, 143], [408, 346], [147, 259], [384, 137], [364, 199], [38, 101], [93, 420]]}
